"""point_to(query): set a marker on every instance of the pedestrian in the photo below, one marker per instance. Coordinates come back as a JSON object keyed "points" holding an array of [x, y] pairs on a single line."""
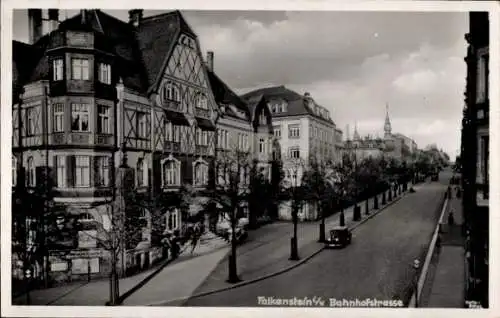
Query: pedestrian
{"points": [[451, 219], [195, 236]]}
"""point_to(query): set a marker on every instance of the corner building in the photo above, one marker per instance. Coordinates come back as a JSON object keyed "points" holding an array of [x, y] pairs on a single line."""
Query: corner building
{"points": [[94, 87]]}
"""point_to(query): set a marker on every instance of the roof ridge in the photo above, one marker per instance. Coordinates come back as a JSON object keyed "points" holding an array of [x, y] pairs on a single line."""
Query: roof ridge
{"points": [[158, 16]]}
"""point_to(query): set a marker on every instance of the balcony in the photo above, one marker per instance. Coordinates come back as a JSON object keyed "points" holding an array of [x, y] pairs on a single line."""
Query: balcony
{"points": [[202, 150], [79, 138], [58, 139]]}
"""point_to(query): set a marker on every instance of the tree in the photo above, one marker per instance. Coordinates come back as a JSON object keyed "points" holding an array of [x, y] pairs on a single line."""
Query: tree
{"points": [[368, 176], [344, 184], [317, 184], [231, 190]]}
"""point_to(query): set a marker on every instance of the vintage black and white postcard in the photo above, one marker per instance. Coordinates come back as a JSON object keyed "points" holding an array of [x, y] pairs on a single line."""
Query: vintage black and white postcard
{"points": [[308, 158]]}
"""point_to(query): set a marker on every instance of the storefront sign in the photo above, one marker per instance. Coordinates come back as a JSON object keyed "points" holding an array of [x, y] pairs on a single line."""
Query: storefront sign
{"points": [[87, 239], [84, 265], [59, 267]]}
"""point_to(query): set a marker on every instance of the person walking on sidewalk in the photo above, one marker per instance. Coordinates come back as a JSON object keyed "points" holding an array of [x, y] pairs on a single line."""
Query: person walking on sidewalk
{"points": [[451, 219], [195, 236]]}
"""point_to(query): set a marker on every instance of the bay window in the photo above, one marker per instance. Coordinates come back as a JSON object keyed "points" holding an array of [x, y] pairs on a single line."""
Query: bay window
{"points": [[60, 163], [142, 173], [58, 117], [171, 172], [80, 69], [200, 173], [82, 171], [103, 119], [57, 69], [80, 117], [102, 171], [104, 73]]}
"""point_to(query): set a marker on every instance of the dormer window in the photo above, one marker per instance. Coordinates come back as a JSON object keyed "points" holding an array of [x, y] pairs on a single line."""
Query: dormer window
{"points": [[105, 73], [80, 69]]}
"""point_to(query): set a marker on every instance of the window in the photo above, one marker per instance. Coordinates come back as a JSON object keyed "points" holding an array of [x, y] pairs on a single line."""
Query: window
{"points": [[171, 173], [80, 69], [105, 73], [170, 92], [31, 172], [482, 79], [82, 171], [226, 134], [60, 162], [261, 145], [141, 125], [79, 117], [177, 134], [141, 173], [277, 132], [102, 171], [262, 118], [172, 220], [168, 131], [293, 131], [198, 136], [103, 122], [294, 153], [57, 69], [201, 101], [14, 171], [58, 117], [200, 174], [30, 115]]}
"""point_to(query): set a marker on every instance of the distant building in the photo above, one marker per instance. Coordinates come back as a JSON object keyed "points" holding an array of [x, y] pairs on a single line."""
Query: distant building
{"points": [[396, 145], [304, 130]]}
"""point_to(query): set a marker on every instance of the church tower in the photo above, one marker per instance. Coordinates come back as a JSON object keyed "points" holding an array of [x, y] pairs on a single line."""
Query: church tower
{"points": [[356, 134], [387, 124]]}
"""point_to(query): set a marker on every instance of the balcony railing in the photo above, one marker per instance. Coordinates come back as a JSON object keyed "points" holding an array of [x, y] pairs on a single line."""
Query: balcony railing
{"points": [[58, 139], [173, 105], [79, 138], [200, 112], [172, 146]]}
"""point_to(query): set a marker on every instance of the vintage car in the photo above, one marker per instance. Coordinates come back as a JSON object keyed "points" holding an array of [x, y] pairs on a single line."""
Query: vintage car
{"points": [[340, 236]]}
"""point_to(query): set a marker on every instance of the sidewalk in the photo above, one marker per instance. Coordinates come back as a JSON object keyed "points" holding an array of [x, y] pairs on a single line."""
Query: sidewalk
{"points": [[276, 247], [444, 287], [96, 293]]}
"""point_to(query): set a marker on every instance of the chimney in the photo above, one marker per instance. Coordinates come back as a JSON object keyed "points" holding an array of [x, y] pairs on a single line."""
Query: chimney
{"points": [[83, 13], [51, 21], [135, 17], [210, 61], [35, 25]]}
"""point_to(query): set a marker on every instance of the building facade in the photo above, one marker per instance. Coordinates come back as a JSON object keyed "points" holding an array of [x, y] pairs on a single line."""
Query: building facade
{"points": [[475, 159], [392, 145], [244, 128], [95, 88], [304, 130]]}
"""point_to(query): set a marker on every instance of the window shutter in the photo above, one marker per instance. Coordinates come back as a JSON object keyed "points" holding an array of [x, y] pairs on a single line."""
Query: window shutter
{"points": [[94, 171], [55, 172], [70, 163]]}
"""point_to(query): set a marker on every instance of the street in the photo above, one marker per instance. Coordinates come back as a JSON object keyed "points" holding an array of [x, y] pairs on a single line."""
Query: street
{"points": [[378, 264]]}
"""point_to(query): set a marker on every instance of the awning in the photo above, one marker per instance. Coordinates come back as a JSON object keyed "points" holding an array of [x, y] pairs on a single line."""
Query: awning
{"points": [[176, 118], [205, 124]]}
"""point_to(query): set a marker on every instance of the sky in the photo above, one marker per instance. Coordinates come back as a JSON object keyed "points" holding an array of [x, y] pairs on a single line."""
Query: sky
{"points": [[352, 63]]}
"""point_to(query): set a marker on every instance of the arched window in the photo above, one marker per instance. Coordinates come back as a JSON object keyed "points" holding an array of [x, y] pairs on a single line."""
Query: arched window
{"points": [[14, 171], [31, 172], [142, 173], [200, 173], [171, 92], [171, 172]]}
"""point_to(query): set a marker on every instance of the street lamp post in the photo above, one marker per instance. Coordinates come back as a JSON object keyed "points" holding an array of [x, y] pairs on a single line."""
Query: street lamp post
{"points": [[416, 266]]}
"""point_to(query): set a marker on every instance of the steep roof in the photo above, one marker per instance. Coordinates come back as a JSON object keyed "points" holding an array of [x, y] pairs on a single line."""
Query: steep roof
{"points": [[297, 104], [25, 58], [224, 95], [142, 50]]}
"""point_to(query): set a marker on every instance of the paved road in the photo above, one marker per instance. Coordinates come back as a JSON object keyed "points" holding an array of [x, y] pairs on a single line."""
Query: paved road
{"points": [[376, 265]]}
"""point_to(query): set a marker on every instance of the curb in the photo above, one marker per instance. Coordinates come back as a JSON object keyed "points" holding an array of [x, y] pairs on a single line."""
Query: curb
{"points": [[286, 269], [430, 251]]}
